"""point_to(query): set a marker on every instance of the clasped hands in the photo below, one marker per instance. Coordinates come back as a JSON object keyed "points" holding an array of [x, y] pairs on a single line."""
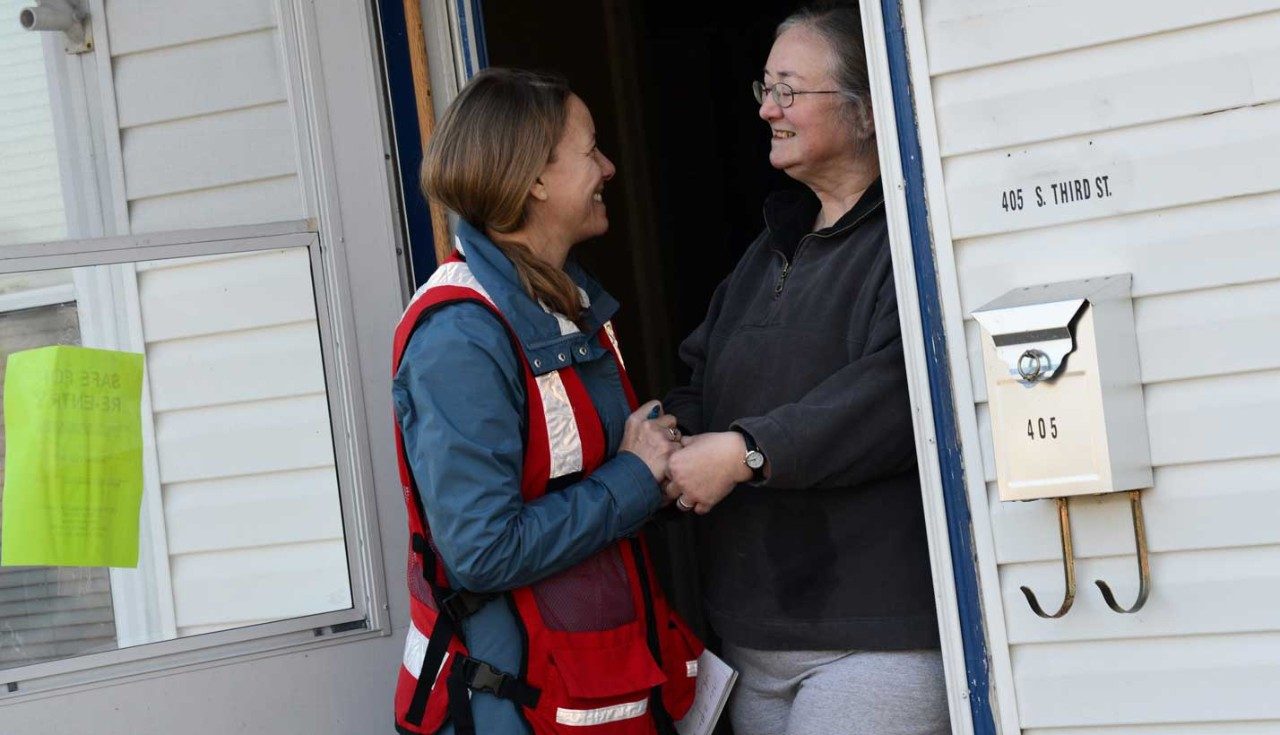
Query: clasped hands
{"points": [[695, 472]]}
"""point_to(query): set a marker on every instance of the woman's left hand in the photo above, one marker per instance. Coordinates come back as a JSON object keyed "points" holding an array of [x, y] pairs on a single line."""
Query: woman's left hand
{"points": [[706, 469]]}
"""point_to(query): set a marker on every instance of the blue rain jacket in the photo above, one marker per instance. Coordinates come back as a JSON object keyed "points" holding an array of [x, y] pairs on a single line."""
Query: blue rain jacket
{"points": [[460, 401]]}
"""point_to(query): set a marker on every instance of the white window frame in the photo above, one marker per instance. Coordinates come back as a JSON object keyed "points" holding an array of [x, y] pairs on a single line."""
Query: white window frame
{"points": [[78, 134], [366, 616], [97, 206], [34, 298], [142, 598], [917, 365]]}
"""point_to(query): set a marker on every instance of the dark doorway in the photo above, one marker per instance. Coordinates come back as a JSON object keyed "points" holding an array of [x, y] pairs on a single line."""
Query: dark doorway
{"points": [[669, 86]]}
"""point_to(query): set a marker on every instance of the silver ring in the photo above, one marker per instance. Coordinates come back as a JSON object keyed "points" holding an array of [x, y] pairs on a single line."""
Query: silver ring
{"points": [[1032, 365], [674, 433], [683, 505]]}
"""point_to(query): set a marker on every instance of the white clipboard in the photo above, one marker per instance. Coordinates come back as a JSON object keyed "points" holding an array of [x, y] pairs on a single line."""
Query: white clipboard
{"points": [[715, 680]]}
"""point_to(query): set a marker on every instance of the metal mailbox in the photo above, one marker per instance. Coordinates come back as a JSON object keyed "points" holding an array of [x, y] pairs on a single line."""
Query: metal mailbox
{"points": [[1064, 390], [1067, 416]]}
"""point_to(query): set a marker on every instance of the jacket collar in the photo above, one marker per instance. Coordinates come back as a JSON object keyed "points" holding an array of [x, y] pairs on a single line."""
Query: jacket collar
{"points": [[789, 215], [550, 340]]}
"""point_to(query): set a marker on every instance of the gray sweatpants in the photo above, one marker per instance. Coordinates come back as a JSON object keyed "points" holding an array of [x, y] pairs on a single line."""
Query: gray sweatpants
{"points": [[838, 692]]}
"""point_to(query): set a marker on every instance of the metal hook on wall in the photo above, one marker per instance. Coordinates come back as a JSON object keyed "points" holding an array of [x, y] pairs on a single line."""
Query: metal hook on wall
{"points": [[1144, 564], [1068, 567]]}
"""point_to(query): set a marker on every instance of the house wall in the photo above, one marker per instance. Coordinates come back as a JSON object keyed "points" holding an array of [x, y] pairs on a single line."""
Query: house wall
{"points": [[30, 192], [206, 130], [254, 157], [250, 494], [1178, 105], [207, 139]]}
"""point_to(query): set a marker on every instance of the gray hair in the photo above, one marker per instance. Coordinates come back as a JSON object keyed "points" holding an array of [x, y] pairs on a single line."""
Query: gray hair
{"points": [[840, 25]]}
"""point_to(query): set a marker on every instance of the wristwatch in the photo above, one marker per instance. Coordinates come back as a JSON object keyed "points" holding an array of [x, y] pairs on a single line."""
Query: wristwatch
{"points": [[754, 458]]}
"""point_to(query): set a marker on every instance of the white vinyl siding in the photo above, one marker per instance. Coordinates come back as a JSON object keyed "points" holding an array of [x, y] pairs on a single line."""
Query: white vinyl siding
{"points": [[1178, 103], [31, 207], [242, 431], [206, 131]]}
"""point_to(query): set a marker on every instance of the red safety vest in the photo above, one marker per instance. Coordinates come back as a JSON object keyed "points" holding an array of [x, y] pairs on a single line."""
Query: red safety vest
{"points": [[604, 653]]}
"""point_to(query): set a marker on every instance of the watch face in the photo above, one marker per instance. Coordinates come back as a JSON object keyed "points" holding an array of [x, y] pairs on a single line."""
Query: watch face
{"points": [[755, 460]]}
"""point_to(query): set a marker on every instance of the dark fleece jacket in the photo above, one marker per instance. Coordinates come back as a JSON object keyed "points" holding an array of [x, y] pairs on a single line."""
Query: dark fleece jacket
{"points": [[801, 348]]}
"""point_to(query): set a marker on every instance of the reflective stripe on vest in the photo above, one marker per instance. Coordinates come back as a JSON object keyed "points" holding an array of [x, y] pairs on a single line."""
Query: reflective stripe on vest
{"points": [[415, 649], [601, 715]]}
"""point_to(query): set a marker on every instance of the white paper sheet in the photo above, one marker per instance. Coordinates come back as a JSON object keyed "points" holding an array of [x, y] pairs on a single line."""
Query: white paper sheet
{"points": [[715, 680]]}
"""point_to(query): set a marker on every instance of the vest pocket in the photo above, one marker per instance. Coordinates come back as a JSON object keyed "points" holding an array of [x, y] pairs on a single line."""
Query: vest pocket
{"points": [[601, 690], [591, 596]]}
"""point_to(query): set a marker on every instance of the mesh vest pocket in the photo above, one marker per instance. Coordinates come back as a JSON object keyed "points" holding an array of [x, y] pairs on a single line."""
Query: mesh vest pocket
{"points": [[593, 595], [418, 587]]}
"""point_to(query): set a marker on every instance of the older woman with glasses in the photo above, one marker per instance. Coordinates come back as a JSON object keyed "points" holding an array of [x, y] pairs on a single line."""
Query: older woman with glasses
{"points": [[800, 461]]}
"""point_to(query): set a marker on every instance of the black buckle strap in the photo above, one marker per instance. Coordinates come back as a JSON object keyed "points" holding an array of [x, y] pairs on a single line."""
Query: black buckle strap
{"points": [[460, 604], [419, 543], [466, 673], [662, 719], [464, 722], [479, 676], [437, 648], [457, 604]]}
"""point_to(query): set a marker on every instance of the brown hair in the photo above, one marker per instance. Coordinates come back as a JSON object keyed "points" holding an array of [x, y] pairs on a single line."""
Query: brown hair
{"points": [[840, 25], [488, 149]]}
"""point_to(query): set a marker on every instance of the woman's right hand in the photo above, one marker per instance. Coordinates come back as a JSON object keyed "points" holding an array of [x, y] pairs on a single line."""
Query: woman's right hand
{"points": [[652, 440]]}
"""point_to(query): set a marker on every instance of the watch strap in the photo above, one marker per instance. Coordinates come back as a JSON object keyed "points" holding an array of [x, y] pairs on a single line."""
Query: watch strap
{"points": [[757, 473]]}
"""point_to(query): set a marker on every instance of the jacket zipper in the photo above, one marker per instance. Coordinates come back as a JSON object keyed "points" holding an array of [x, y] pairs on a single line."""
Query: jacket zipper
{"points": [[782, 278], [786, 264]]}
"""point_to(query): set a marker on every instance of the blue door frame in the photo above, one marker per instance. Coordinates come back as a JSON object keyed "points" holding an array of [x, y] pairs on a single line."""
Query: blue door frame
{"points": [[950, 456], [475, 51], [403, 110], [475, 57]]}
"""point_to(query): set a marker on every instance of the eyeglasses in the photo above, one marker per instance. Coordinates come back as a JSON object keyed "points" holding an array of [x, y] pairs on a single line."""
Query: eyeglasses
{"points": [[783, 95]]}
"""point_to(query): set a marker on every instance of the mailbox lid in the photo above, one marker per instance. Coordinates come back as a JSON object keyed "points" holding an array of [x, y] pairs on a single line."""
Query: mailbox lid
{"points": [[1041, 328], [1100, 288], [1040, 317]]}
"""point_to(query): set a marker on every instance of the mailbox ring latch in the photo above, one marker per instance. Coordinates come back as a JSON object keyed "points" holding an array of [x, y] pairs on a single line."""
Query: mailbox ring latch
{"points": [[1034, 365]]}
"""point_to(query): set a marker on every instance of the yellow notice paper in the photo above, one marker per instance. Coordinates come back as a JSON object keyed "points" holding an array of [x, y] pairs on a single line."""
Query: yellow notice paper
{"points": [[73, 458]]}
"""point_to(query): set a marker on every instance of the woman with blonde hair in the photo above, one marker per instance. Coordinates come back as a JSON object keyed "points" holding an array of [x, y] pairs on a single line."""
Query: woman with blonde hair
{"points": [[526, 464]]}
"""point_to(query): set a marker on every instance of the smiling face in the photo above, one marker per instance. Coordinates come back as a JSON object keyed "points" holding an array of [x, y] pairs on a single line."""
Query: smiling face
{"points": [[568, 198], [812, 138]]}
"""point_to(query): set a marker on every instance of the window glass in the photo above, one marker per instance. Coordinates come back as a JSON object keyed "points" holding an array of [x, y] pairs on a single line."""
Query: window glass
{"points": [[240, 520], [48, 612]]}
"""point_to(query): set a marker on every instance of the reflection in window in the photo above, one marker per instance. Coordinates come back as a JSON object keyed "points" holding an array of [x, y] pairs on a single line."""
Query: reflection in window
{"points": [[242, 434]]}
